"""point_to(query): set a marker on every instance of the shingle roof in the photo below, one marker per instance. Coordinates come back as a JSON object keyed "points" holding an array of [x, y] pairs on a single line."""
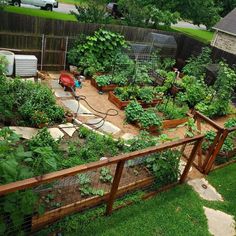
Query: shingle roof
{"points": [[228, 23]]}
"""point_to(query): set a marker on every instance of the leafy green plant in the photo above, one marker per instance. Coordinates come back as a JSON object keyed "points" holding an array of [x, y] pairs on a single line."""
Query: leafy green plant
{"points": [[150, 119], [3, 65], [103, 80], [98, 51], [171, 110], [196, 65], [85, 186], [164, 166], [13, 167], [219, 102], [105, 175], [133, 111], [146, 94], [230, 123], [194, 92]]}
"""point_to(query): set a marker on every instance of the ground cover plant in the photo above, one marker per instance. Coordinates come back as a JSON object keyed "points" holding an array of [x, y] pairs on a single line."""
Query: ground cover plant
{"points": [[27, 103]]}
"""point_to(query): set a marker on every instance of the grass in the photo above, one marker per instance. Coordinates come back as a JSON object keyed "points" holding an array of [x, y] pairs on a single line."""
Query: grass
{"points": [[176, 212], [201, 35], [41, 13], [224, 180], [73, 2]]}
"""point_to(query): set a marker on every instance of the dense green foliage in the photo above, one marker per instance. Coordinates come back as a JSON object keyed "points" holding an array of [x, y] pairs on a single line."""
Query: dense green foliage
{"points": [[96, 52], [217, 103], [148, 118], [171, 110], [27, 103], [196, 65]]}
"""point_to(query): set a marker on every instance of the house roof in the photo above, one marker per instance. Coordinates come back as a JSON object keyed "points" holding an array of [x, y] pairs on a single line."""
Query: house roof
{"points": [[227, 24]]}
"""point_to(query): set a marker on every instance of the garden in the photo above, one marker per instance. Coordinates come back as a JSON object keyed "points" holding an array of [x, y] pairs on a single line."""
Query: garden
{"points": [[89, 168]]}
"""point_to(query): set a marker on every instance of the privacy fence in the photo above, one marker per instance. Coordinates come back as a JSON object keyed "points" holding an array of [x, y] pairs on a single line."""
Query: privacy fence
{"points": [[30, 204], [50, 40]]}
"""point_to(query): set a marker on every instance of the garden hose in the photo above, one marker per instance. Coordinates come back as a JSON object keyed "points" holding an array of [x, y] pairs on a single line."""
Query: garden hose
{"points": [[109, 112]]}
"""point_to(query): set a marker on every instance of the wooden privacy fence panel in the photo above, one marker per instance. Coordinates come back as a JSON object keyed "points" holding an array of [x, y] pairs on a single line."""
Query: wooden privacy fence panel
{"points": [[74, 189]]}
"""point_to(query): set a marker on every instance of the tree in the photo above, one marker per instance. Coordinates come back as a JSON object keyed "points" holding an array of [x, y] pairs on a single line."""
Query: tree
{"points": [[226, 5]]}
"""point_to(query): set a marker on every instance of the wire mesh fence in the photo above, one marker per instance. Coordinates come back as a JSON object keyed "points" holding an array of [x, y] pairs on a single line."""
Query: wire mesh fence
{"points": [[30, 204]]}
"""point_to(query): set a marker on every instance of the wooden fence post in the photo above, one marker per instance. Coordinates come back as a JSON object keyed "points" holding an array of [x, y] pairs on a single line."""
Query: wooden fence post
{"points": [[115, 185], [212, 158], [193, 154]]}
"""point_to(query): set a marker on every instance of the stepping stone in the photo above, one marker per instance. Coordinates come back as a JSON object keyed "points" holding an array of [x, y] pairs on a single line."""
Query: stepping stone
{"points": [[55, 133], [24, 132], [106, 127], [205, 190], [54, 84], [73, 105], [128, 136], [219, 223], [62, 94], [68, 128]]}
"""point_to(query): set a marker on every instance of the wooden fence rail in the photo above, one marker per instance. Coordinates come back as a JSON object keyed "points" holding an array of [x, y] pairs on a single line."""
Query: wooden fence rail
{"points": [[206, 160], [119, 186]]}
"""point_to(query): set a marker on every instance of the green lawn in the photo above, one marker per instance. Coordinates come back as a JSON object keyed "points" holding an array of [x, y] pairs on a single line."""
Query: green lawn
{"points": [[40, 13], [201, 35], [73, 2], [178, 211], [224, 180]]}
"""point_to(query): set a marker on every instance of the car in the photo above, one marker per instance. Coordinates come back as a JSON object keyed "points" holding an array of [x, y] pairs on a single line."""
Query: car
{"points": [[43, 4]]}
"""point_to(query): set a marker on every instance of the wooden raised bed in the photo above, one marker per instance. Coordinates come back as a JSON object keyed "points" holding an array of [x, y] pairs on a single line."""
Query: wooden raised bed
{"points": [[167, 124], [106, 88], [170, 124], [122, 104]]}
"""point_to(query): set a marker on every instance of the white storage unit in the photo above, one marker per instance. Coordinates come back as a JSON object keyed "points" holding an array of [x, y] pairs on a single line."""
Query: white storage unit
{"points": [[25, 65], [10, 58]]}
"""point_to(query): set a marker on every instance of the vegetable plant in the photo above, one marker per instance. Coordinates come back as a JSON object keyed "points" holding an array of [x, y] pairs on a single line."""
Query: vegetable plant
{"points": [[150, 119], [164, 166], [133, 111], [103, 80], [105, 175]]}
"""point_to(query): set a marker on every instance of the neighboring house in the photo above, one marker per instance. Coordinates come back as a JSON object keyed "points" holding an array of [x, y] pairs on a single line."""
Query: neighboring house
{"points": [[225, 35]]}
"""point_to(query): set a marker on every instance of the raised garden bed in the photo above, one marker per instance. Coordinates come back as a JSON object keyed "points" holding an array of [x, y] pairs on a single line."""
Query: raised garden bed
{"points": [[106, 88], [122, 104], [170, 124]]}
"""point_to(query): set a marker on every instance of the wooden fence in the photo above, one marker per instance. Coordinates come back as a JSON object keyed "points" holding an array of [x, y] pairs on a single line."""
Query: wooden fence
{"points": [[212, 157], [64, 186], [26, 34]]}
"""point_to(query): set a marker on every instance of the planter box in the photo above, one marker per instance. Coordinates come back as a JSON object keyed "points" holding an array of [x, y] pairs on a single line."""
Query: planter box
{"points": [[122, 104], [170, 124], [106, 88]]}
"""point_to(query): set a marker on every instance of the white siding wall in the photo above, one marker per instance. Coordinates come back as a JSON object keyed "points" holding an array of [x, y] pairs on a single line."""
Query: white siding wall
{"points": [[224, 42]]}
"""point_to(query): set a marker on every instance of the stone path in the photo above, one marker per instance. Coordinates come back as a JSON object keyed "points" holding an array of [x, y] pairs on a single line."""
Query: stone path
{"points": [[73, 106], [68, 128], [104, 126], [24, 132], [220, 223], [205, 190]]}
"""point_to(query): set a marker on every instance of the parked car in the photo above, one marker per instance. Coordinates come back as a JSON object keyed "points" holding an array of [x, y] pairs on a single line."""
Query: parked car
{"points": [[43, 4], [113, 9]]}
